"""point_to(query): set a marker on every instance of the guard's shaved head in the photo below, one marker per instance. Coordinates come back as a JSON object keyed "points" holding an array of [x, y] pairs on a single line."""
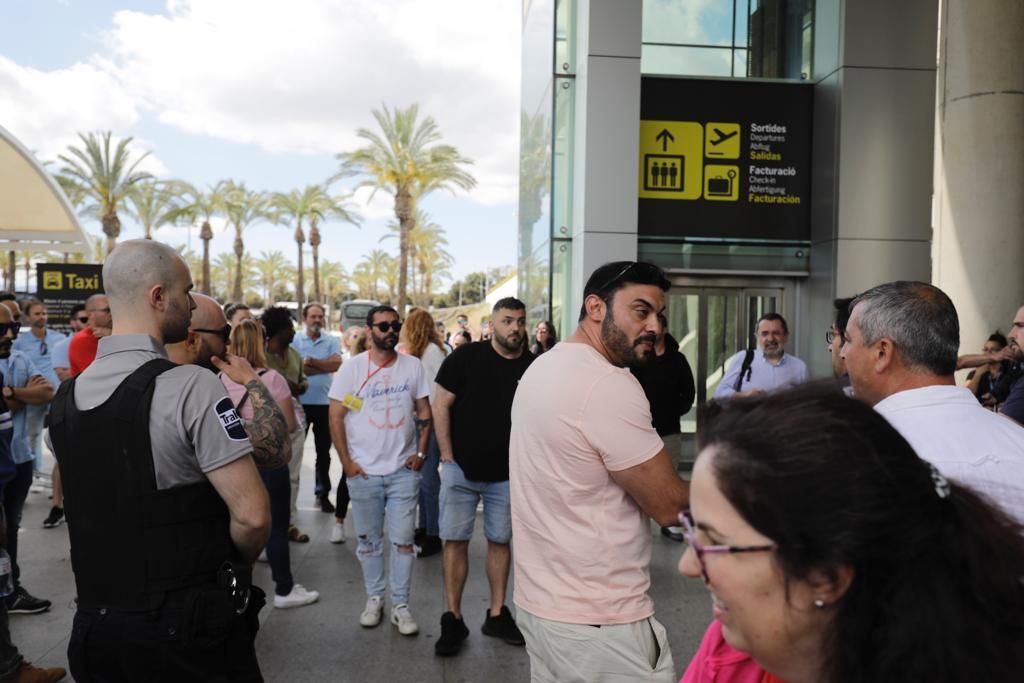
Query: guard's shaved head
{"points": [[148, 286], [136, 265], [208, 314]]}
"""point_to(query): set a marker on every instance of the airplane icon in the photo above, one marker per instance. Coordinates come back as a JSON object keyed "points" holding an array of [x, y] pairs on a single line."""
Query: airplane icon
{"points": [[722, 136]]}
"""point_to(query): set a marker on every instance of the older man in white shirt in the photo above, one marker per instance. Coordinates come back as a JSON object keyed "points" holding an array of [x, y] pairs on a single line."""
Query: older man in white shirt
{"points": [[900, 349]]}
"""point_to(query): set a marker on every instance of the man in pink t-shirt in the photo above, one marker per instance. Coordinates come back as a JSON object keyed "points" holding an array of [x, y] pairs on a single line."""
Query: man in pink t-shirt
{"points": [[587, 470]]}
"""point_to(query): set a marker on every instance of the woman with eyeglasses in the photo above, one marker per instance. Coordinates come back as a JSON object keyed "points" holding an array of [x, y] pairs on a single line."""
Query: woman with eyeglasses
{"points": [[833, 554], [246, 340], [544, 337]]}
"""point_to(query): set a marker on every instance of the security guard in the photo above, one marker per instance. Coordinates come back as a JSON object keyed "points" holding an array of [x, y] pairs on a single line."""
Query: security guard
{"points": [[165, 508]]}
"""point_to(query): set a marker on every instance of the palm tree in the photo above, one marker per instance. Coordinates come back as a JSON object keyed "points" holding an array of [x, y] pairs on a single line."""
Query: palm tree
{"points": [[242, 207], [426, 250], [154, 203], [408, 162], [224, 271], [105, 177], [202, 205], [364, 281], [324, 208], [390, 275], [335, 283], [190, 257], [274, 270]]}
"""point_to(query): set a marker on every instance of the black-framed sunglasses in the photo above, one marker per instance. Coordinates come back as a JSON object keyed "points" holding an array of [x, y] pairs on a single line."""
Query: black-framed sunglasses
{"points": [[224, 332], [395, 325], [83, 319], [14, 328], [648, 268]]}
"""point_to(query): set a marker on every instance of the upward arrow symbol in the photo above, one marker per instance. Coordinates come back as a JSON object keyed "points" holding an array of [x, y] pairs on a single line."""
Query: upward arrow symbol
{"points": [[664, 136]]}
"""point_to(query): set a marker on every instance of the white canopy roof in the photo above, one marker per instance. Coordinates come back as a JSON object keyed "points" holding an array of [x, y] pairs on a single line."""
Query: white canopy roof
{"points": [[34, 212]]}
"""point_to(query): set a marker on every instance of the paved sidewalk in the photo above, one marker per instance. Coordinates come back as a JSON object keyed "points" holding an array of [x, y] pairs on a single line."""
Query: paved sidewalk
{"points": [[324, 642]]}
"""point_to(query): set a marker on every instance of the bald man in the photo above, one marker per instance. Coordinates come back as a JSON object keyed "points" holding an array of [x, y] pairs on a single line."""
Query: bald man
{"points": [[166, 510], [82, 350], [208, 340]]}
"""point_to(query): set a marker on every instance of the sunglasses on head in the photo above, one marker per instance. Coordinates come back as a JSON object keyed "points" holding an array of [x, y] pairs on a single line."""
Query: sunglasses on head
{"points": [[224, 332], [12, 327], [393, 325]]}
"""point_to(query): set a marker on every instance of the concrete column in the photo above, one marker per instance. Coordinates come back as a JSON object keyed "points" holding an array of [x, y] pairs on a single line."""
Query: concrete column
{"points": [[978, 249], [607, 137]]}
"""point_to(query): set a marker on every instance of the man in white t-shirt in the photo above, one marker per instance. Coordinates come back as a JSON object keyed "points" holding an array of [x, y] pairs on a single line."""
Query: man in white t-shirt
{"points": [[587, 472], [378, 399], [901, 346]]}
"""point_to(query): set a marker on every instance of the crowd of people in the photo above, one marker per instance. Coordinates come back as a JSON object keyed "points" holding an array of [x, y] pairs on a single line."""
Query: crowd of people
{"points": [[861, 528]]}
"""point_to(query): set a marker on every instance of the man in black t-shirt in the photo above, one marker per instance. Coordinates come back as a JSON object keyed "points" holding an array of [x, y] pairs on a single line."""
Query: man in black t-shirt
{"points": [[473, 420]]}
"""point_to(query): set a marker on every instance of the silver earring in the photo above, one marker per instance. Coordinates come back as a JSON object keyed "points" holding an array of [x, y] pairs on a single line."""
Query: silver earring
{"points": [[819, 603]]}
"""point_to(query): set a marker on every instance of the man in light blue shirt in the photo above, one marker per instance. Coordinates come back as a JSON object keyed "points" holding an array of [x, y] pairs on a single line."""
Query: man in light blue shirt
{"points": [[23, 385], [771, 368], [321, 356], [38, 345]]}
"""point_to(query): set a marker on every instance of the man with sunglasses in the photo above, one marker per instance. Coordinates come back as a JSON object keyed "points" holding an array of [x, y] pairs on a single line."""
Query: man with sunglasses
{"points": [[61, 362], [588, 471], [23, 386], [83, 347], [378, 400]]}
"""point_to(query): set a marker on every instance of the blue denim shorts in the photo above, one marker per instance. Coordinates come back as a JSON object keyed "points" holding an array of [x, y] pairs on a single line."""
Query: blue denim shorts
{"points": [[459, 498]]}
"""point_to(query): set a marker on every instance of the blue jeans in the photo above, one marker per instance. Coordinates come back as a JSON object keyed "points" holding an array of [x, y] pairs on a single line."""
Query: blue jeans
{"points": [[394, 496], [459, 498], [279, 489], [430, 488]]}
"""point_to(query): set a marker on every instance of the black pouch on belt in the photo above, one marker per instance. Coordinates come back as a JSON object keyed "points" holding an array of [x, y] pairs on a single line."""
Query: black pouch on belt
{"points": [[208, 616]]}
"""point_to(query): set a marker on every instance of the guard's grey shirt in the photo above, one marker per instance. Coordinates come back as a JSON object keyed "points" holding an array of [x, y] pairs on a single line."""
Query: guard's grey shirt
{"points": [[193, 427]]}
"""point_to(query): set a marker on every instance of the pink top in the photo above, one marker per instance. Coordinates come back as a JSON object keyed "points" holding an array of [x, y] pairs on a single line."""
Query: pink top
{"points": [[583, 545], [272, 379], [718, 662]]}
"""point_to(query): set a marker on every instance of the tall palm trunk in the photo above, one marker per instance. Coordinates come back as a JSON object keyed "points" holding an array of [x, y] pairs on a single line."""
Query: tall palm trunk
{"points": [[206, 234], [112, 229], [12, 267], [236, 294], [300, 284], [314, 242], [28, 268], [404, 211]]}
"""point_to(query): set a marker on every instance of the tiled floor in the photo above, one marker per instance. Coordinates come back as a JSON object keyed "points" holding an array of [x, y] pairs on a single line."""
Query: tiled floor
{"points": [[324, 642]]}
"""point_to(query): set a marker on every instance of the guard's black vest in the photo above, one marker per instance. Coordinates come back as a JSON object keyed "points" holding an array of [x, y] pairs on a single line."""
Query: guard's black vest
{"points": [[131, 543]]}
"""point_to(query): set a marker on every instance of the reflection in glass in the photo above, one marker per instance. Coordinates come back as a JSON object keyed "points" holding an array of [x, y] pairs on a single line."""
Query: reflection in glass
{"points": [[690, 23], [561, 288], [562, 179], [670, 60]]}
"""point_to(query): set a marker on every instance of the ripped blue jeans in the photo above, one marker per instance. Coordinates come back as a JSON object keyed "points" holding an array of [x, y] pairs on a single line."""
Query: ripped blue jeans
{"points": [[391, 497]]}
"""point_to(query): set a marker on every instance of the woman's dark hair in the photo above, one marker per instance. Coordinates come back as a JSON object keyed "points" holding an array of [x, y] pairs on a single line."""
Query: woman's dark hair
{"points": [[937, 592], [462, 333], [536, 348], [998, 338], [275, 319]]}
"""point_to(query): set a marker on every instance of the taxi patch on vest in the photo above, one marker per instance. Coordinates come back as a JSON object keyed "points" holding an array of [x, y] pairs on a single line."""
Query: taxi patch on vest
{"points": [[230, 421]]}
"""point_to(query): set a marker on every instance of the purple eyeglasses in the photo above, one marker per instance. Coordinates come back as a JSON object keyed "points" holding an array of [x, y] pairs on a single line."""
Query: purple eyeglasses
{"points": [[700, 550]]}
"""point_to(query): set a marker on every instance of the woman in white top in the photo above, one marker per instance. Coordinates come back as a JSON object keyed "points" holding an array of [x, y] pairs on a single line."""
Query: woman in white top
{"points": [[420, 339]]}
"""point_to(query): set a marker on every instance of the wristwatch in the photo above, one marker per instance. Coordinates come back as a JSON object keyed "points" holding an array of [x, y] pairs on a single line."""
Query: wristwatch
{"points": [[421, 455]]}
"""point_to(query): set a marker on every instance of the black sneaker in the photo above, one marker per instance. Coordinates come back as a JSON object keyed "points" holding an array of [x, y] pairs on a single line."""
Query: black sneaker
{"points": [[325, 504], [430, 545], [22, 602], [55, 518], [453, 633], [503, 626]]}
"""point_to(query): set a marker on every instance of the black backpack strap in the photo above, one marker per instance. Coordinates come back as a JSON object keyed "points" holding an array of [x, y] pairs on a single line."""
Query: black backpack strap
{"points": [[241, 401], [745, 369]]}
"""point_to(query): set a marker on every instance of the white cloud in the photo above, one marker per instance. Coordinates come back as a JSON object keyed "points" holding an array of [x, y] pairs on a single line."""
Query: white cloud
{"points": [[304, 77]]}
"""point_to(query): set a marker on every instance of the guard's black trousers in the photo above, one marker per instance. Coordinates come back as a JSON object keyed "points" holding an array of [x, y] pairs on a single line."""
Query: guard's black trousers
{"points": [[123, 647]]}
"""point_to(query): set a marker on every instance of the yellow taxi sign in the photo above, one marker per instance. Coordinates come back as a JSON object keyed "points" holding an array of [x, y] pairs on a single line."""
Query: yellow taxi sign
{"points": [[671, 159]]}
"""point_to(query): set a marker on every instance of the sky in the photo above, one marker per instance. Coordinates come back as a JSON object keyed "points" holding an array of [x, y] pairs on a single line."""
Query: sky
{"points": [[267, 92]]}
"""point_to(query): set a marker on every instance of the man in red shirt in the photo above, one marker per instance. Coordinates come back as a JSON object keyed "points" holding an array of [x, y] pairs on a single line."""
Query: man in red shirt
{"points": [[82, 349]]}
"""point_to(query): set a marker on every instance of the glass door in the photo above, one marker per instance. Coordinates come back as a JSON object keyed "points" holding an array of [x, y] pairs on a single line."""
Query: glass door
{"points": [[712, 324]]}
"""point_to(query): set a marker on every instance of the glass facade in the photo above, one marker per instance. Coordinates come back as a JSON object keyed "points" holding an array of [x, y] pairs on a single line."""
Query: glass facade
{"points": [[728, 38]]}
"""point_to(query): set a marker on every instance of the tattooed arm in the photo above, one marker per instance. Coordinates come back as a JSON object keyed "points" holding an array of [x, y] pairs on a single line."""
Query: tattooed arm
{"points": [[268, 430]]}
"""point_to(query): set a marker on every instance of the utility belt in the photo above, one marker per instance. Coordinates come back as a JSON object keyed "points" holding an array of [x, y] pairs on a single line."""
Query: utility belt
{"points": [[203, 615]]}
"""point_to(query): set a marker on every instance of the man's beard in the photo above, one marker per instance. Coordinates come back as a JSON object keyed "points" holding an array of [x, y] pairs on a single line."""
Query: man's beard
{"points": [[386, 343], [175, 328], [315, 328], [507, 343], [777, 352], [615, 340], [5, 349]]}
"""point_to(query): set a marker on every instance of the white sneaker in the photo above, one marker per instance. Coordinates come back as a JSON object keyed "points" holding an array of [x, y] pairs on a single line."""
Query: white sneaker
{"points": [[297, 598], [402, 618], [372, 612], [338, 533]]}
